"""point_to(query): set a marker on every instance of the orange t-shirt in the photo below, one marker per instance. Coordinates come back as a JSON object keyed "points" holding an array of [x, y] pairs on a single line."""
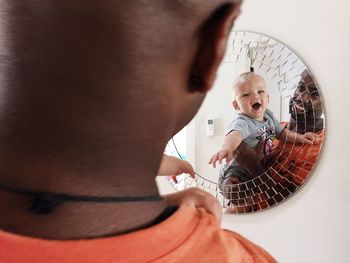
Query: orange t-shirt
{"points": [[189, 235]]}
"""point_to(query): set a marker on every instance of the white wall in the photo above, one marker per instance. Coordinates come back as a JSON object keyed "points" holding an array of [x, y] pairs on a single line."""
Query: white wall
{"points": [[312, 226]]}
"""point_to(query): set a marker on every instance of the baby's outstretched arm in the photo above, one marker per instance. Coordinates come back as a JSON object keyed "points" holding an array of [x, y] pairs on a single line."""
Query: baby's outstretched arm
{"points": [[173, 166], [291, 136], [231, 142]]}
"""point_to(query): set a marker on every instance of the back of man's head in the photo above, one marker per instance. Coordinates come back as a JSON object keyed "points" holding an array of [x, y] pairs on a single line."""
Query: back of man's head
{"points": [[106, 72]]}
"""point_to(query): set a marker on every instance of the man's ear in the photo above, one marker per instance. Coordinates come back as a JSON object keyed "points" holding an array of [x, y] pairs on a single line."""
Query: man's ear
{"points": [[212, 47], [235, 105]]}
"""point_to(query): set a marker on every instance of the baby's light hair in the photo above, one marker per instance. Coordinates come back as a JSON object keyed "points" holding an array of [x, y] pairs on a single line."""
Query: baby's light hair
{"points": [[240, 79]]}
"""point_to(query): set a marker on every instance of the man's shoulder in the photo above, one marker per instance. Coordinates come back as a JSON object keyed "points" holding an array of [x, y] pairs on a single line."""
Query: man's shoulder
{"points": [[225, 245]]}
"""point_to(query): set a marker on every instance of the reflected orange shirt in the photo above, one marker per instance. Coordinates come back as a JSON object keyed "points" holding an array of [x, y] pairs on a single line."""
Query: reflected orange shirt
{"points": [[189, 235]]}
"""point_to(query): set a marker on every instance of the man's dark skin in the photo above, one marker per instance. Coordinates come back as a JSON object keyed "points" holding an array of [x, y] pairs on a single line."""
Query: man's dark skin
{"points": [[90, 95], [306, 106]]}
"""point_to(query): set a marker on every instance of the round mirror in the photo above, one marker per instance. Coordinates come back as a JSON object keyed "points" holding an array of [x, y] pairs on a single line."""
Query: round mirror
{"points": [[296, 103]]}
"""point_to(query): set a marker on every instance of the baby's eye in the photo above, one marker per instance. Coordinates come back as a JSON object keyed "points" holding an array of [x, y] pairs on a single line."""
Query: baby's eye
{"points": [[245, 95], [261, 91]]}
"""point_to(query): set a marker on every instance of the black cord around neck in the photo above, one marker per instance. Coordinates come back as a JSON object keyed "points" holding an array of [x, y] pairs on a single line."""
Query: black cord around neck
{"points": [[46, 202]]}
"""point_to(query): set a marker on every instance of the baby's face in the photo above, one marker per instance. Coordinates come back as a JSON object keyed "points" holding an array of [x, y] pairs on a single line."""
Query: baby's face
{"points": [[251, 97]]}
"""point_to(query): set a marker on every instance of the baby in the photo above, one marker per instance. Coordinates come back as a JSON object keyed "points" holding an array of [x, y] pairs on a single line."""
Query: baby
{"points": [[253, 123]]}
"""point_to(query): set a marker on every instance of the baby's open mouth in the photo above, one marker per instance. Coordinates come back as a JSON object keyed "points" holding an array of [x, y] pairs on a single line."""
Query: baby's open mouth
{"points": [[256, 106]]}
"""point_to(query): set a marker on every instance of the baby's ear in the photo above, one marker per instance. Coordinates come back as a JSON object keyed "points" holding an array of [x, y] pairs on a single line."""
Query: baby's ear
{"points": [[235, 105], [211, 47]]}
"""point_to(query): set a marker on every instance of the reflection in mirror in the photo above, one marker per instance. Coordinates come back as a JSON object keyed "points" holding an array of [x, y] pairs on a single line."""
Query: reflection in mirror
{"points": [[270, 176]]}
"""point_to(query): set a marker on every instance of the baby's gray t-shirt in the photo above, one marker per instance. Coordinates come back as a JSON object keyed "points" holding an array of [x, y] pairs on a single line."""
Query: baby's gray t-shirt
{"points": [[253, 131]]}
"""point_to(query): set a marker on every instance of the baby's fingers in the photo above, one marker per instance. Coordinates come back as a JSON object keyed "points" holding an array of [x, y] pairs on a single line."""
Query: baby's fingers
{"points": [[214, 159], [312, 137], [222, 155], [192, 172], [308, 141], [229, 158]]}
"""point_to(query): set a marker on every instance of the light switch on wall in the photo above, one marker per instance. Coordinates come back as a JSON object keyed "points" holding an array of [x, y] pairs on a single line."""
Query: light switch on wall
{"points": [[210, 127]]}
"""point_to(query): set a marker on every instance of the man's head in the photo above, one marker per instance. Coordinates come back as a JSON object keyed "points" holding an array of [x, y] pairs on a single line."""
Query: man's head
{"points": [[91, 86], [306, 106], [250, 95], [91, 91]]}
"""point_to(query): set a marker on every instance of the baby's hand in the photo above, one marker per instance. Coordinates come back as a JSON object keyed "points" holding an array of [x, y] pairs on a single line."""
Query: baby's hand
{"points": [[174, 166], [311, 138], [224, 153]]}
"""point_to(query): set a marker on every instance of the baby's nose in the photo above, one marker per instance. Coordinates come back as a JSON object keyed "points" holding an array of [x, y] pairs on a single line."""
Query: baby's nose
{"points": [[256, 96]]}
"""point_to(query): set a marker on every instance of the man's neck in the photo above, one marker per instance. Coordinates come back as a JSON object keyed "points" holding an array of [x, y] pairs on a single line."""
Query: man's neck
{"points": [[75, 220], [81, 219]]}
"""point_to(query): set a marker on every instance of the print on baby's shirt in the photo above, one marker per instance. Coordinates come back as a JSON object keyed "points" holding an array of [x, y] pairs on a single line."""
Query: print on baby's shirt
{"points": [[267, 134]]}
